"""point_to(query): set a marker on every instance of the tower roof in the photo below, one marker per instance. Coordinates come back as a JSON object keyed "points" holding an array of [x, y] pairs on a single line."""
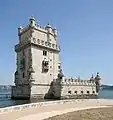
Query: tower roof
{"points": [[48, 26], [32, 18], [20, 27]]}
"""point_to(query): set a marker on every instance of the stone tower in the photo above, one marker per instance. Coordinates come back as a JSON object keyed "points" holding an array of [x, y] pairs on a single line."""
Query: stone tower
{"points": [[38, 61]]}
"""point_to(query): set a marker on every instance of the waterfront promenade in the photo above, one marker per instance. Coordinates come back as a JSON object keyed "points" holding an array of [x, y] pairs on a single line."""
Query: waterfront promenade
{"points": [[42, 110]]}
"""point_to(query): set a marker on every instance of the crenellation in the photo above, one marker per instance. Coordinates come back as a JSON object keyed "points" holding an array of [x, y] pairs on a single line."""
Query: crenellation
{"points": [[45, 29], [79, 82]]}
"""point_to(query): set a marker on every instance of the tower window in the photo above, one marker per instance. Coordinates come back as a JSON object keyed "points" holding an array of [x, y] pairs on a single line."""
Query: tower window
{"points": [[23, 75], [59, 67], [44, 53], [82, 92], [23, 53], [45, 66], [87, 92]]}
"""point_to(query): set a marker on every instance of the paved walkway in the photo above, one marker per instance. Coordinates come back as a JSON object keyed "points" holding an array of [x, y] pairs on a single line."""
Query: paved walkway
{"points": [[41, 116], [43, 112]]}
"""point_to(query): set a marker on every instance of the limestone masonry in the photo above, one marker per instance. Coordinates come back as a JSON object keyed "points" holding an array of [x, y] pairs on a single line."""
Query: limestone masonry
{"points": [[39, 74]]}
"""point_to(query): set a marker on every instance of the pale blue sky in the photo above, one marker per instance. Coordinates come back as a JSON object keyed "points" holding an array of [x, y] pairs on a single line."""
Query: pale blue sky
{"points": [[85, 33]]}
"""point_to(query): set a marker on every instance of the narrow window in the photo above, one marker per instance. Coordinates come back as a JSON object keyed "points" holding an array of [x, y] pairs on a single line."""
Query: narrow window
{"points": [[81, 91], [23, 53], [44, 53], [23, 75], [69, 92], [59, 67], [87, 92]]}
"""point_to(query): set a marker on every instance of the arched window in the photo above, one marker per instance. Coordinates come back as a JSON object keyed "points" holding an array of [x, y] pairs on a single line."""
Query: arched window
{"points": [[45, 66]]}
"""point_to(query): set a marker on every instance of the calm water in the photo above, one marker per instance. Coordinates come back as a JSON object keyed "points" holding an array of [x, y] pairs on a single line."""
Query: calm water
{"points": [[107, 94], [4, 102]]}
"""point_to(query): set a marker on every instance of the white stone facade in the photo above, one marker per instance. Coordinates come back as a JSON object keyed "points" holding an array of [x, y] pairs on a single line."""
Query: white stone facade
{"points": [[38, 72]]}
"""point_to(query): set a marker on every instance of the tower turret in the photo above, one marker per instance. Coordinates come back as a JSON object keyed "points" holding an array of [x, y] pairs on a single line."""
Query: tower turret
{"points": [[55, 31], [20, 29], [92, 78], [49, 28], [32, 21], [97, 82]]}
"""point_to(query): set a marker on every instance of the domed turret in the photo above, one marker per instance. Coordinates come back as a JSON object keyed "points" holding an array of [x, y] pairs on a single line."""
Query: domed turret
{"points": [[60, 74], [92, 78], [49, 28], [97, 82], [97, 78], [55, 31], [20, 29], [32, 21]]}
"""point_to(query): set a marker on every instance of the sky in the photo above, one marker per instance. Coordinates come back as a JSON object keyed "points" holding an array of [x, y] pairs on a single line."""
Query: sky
{"points": [[85, 34]]}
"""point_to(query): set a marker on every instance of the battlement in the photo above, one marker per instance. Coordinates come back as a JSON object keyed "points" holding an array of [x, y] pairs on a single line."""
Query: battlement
{"points": [[33, 24], [74, 81]]}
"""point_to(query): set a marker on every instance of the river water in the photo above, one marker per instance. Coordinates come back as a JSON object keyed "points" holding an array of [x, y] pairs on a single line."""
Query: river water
{"points": [[4, 102]]}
